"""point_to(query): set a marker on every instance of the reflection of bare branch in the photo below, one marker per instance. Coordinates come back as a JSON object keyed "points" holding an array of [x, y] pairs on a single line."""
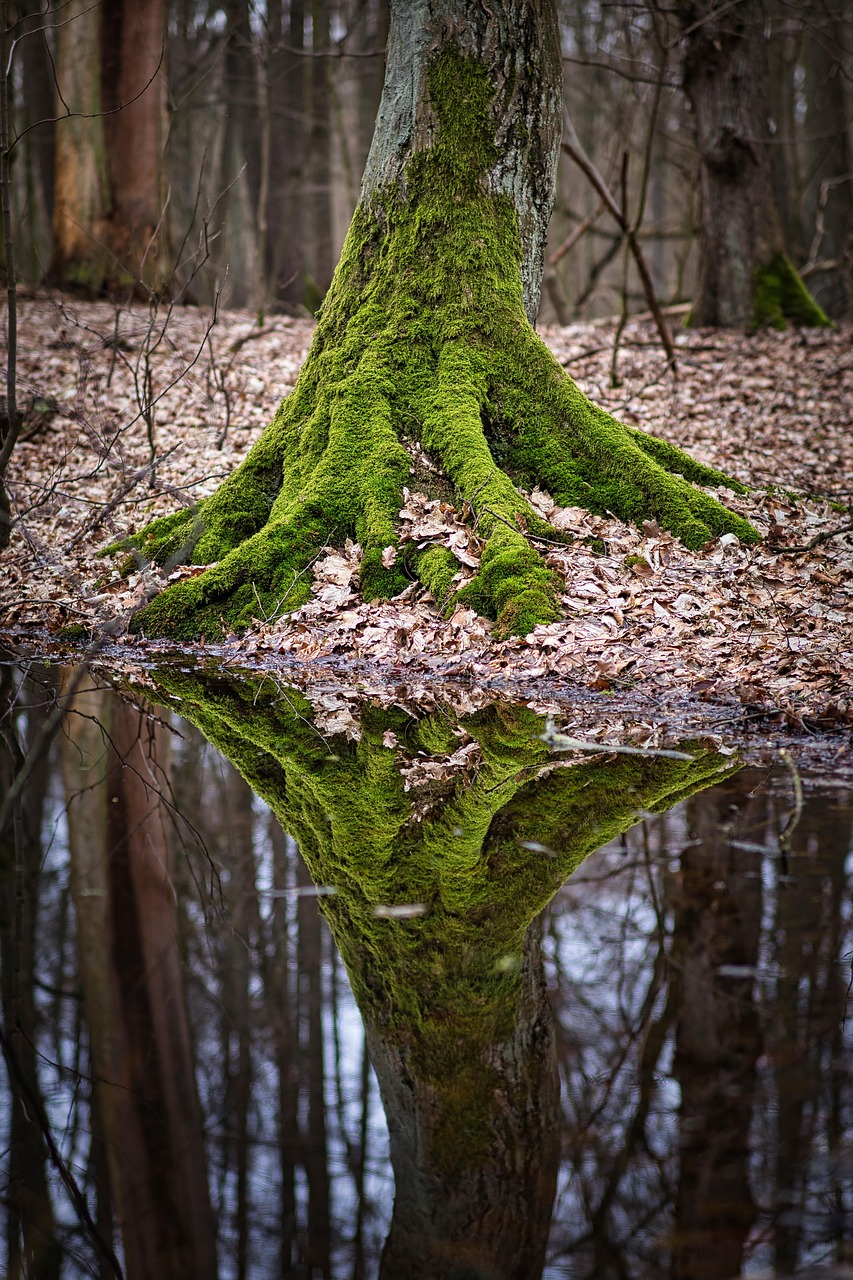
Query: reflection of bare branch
{"points": [[70, 1183]]}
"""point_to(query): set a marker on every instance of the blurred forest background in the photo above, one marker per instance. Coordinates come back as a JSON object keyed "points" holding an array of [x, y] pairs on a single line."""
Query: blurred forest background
{"points": [[216, 150]]}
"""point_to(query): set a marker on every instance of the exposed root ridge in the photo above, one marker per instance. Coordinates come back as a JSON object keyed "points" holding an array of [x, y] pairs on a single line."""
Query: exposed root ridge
{"points": [[423, 336]]}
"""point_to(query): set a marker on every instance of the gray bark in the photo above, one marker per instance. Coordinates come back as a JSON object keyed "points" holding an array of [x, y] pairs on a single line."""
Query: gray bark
{"points": [[725, 78], [518, 42]]}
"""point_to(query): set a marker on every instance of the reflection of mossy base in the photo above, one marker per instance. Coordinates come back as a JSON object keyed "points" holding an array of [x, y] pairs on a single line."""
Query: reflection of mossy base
{"points": [[781, 297], [444, 986], [423, 335]]}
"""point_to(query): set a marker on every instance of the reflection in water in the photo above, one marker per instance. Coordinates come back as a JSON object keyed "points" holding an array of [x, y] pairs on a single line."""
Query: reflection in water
{"points": [[207, 1089]]}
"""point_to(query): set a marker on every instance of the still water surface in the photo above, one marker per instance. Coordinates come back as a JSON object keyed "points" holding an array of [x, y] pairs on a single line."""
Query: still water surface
{"points": [[405, 995]]}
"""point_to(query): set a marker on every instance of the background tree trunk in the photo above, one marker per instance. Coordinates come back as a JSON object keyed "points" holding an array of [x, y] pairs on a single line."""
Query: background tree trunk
{"points": [[108, 215], [82, 179], [745, 277], [828, 204]]}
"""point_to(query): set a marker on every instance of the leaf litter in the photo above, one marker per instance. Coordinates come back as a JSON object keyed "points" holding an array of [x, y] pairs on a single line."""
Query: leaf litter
{"points": [[766, 628]]}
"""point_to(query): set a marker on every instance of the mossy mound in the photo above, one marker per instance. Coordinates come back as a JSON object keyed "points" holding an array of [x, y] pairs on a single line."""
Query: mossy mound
{"points": [[423, 336], [780, 297]]}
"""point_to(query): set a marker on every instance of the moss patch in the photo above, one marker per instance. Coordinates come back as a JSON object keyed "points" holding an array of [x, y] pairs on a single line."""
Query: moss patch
{"points": [[780, 297], [423, 335]]}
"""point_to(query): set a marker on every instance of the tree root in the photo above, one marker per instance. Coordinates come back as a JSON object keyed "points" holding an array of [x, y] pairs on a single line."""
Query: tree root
{"points": [[423, 336], [262, 529]]}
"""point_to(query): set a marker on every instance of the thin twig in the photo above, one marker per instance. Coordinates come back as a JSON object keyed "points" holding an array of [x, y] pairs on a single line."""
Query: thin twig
{"points": [[814, 542], [573, 236], [534, 537], [575, 152]]}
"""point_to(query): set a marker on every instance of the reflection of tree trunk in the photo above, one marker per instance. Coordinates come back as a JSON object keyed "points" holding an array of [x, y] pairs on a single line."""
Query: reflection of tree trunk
{"points": [[807, 1039], [474, 1130], [453, 1002], [717, 927], [32, 1248], [238, 859], [131, 973], [310, 964], [280, 1004]]}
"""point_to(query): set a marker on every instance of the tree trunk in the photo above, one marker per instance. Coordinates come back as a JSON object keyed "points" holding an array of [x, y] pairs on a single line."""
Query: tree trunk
{"points": [[745, 276], [109, 191], [453, 1000], [426, 336], [131, 971], [474, 1146], [828, 214], [36, 166]]}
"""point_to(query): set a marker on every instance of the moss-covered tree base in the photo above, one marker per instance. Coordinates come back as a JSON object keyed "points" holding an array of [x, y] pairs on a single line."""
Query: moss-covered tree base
{"points": [[423, 337], [780, 297]]}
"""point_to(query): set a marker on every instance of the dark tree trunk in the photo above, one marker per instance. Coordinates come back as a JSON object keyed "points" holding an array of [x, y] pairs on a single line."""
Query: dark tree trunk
{"points": [[426, 335], [475, 1147], [828, 213], [285, 261], [745, 277], [716, 932]]}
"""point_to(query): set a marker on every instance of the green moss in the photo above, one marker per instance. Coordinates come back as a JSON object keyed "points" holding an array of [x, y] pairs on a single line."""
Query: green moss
{"points": [[422, 334], [435, 734], [630, 561], [444, 987], [72, 632], [780, 297], [436, 568]]}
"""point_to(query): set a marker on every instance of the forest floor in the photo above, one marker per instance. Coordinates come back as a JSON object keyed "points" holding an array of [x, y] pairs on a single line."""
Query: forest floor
{"points": [[767, 630]]}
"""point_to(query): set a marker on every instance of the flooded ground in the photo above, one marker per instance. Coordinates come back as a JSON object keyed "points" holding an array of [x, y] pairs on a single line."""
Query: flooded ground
{"points": [[404, 991]]}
